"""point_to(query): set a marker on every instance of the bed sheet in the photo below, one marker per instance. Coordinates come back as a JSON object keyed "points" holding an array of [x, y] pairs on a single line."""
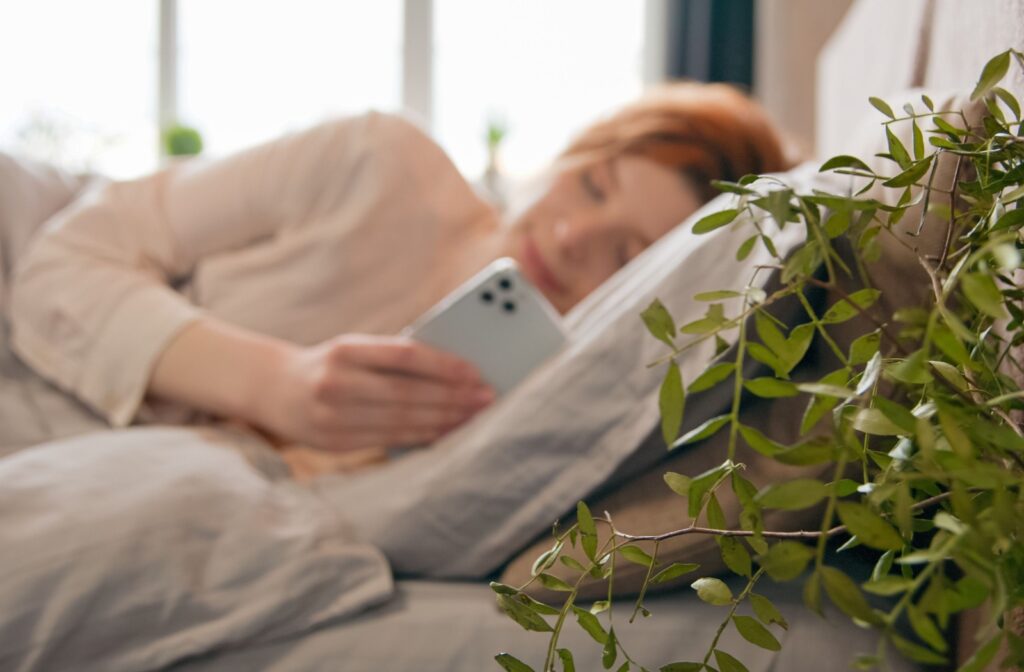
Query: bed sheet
{"points": [[436, 626]]}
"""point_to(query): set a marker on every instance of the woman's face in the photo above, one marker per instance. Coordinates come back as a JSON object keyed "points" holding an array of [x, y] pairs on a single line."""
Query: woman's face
{"points": [[592, 220]]}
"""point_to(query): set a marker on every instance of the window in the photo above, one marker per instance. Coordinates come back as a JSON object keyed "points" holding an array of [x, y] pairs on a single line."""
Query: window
{"points": [[85, 83], [541, 69], [250, 70], [78, 81]]}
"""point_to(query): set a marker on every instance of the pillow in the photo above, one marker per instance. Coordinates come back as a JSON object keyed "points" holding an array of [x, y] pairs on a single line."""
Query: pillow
{"points": [[130, 550], [459, 509]]}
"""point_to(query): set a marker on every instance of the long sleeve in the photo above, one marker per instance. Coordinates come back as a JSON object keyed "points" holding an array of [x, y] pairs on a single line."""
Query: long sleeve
{"points": [[93, 302]]}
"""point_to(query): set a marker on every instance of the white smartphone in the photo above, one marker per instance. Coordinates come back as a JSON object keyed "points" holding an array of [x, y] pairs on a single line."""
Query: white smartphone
{"points": [[496, 320]]}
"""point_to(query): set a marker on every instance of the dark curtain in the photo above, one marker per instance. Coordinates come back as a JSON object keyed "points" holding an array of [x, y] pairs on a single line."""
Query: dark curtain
{"points": [[711, 40]]}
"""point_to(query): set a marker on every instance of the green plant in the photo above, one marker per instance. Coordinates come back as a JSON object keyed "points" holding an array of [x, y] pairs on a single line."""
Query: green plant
{"points": [[182, 140], [925, 445]]}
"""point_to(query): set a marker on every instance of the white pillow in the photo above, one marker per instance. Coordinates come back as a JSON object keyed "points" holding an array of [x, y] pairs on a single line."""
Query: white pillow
{"points": [[130, 550], [463, 507]]}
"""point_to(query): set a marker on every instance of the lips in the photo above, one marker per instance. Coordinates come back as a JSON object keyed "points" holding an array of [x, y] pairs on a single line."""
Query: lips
{"points": [[537, 269]]}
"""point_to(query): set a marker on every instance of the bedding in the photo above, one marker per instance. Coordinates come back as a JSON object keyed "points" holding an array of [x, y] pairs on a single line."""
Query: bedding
{"points": [[133, 549], [31, 410], [457, 510], [435, 626]]}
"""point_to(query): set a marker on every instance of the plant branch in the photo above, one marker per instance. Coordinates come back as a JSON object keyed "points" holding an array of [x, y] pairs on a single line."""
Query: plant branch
{"points": [[952, 213], [796, 534]]}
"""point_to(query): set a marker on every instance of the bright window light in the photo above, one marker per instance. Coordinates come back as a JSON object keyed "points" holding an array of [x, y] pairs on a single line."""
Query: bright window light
{"points": [[79, 83], [250, 70], [544, 69]]}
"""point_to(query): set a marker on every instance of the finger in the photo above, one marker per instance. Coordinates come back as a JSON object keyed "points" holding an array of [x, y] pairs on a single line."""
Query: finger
{"points": [[380, 417], [364, 386], [405, 356], [393, 437]]}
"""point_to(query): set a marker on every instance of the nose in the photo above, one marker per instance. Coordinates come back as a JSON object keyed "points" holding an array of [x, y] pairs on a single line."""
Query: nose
{"points": [[573, 233]]}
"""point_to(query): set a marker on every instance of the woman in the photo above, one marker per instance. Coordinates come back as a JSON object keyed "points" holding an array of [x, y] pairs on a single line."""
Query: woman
{"points": [[264, 287]]}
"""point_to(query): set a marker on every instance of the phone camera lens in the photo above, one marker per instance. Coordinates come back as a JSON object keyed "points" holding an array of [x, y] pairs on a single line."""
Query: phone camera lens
{"points": [[505, 284], [487, 297], [509, 307]]}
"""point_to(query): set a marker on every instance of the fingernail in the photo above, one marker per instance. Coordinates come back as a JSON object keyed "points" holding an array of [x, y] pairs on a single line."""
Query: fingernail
{"points": [[484, 395]]}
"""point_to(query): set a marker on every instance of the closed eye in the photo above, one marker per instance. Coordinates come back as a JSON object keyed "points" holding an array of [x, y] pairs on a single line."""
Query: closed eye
{"points": [[594, 191]]}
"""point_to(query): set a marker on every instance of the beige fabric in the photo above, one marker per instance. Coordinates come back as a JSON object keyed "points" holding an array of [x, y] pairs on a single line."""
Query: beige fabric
{"points": [[357, 225], [647, 506]]}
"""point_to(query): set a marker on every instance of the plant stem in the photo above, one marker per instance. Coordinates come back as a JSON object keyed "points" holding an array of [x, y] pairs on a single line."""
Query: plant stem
{"points": [[732, 610], [797, 534]]}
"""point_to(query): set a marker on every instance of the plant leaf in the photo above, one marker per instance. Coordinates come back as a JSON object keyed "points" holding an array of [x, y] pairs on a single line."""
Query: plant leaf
{"points": [[846, 308], [671, 401], [745, 248], [865, 347], [700, 485], [925, 628], [727, 663], [713, 591], [981, 290], [888, 585], [711, 376], [674, 571], [766, 611], [527, 618], [510, 663], [991, 74], [897, 150], [636, 555], [678, 483], [870, 528], [659, 322], [786, 560], [873, 421], [715, 220], [702, 431], [588, 531], [771, 388], [910, 175], [844, 594], [735, 556], [590, 625], [759, 442], [800, 493], [844, 161], [568, 665], [611, 650], [881, 106], [755, 633], [554, 583]]}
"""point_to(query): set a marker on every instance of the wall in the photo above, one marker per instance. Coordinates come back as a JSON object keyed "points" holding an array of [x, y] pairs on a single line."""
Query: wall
{"points": [[788, 36]]}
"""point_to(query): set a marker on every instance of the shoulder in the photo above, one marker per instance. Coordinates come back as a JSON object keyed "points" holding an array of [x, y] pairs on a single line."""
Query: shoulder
{"points": [[375, 129]]}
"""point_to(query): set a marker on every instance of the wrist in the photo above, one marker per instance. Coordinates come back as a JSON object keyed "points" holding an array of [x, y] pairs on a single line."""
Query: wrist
{"points": [[270, 373]]}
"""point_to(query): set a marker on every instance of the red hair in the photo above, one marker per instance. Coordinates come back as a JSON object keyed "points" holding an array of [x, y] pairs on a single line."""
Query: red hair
{"points": [[705, 131]]}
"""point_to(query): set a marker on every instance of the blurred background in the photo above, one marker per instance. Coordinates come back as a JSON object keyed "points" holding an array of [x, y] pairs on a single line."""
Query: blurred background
{"points": [[116, 85]]}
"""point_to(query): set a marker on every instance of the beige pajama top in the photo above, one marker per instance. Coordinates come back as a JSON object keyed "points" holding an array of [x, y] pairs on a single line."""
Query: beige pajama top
{"points": [[356, 225]]}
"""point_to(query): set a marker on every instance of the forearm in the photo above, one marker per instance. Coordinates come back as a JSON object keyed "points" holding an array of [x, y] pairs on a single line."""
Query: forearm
{"points": [[221, 369]]}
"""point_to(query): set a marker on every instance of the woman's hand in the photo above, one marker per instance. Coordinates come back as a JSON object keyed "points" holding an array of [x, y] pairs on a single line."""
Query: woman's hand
{"points": [[348, 393], [357, 391]]}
